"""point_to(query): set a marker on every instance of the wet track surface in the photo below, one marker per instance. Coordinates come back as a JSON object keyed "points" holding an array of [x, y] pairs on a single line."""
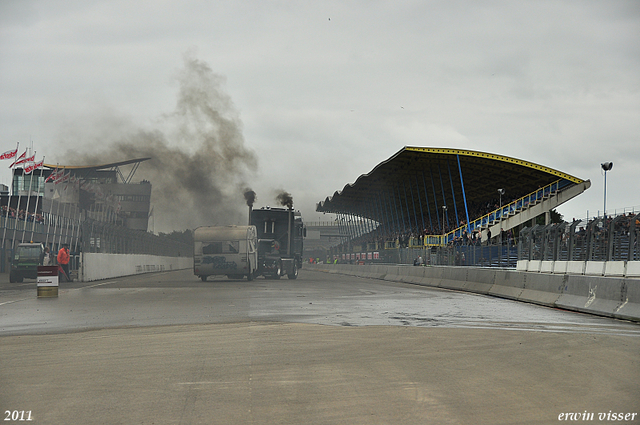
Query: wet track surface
{"points": [[323, 349], [178, 298]]}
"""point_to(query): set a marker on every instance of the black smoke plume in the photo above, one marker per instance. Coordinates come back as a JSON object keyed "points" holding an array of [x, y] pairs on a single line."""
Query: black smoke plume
{"points": [[250, 197], [199, 159], [285, 199]]}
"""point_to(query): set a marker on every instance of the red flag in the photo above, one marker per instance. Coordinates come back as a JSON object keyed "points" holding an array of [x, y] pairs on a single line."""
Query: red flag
{"points": [[19, 158], [34, 166], [52, 176], [22, 161], [63, 176], [9, 154]]}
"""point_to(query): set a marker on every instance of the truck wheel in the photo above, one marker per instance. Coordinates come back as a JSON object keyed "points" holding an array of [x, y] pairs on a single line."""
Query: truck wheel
{"points": [[294, 272], [250, 277], [12, 278], [203, 278]]}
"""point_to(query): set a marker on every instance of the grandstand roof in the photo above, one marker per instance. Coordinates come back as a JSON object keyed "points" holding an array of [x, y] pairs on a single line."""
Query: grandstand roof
{"points": [[424, 179], [86, 171], [96, 167]]}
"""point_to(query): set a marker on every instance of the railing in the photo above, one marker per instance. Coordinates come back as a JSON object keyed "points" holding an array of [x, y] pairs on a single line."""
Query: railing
{"points": [[505, 211], [321, 223]]}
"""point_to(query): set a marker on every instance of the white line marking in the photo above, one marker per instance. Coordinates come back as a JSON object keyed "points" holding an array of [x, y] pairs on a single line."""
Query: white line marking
{"points": [[14, 301], [100, 284]]}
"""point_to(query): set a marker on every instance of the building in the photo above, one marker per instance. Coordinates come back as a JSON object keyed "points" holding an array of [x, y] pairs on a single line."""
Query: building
{"points": [[102, 192]]}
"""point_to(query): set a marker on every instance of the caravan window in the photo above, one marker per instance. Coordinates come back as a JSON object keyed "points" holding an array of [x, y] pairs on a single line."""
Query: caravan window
{"points": [[226, 247]]}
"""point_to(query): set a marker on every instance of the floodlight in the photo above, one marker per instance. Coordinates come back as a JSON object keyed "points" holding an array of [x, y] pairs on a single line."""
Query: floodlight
{"points": [[606, 166]]}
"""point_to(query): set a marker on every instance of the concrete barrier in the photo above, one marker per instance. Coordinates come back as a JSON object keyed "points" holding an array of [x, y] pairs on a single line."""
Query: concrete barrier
{"points": [[97, 266], [633, 269], [559, 267], [594, 268], [508, 284], [393, 273], [607, 296], [534, 266], [433, 276], [591, 294], [413, 274], [614, 268], [542, 289], [480, 281], [546, 266], [522, 265], [575, 267], [629, 309], [454, 278]]}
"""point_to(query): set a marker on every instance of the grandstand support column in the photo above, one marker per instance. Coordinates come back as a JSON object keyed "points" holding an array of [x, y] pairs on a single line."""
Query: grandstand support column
{"points": [[406, 201], [413, 202], [426, 199], [435, 199], [419, 203], [376, 213], [386, 214], [444, 198], [401, 213], [453, 195], [464, 197], [394, 208], [370, 213]]}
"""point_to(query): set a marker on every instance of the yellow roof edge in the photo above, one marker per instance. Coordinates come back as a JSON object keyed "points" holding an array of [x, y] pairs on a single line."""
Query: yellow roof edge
{"points": [[478, 154]]}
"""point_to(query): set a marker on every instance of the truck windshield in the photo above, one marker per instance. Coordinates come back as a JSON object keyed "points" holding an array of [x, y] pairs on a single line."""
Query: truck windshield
{"points": [[28, 252]]}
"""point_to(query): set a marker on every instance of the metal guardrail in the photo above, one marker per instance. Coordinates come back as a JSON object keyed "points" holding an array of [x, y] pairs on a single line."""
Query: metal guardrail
{"points": [[600, 239]]}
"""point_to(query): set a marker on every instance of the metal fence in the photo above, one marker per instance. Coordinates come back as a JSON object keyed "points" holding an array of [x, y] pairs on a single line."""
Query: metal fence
{"points": [[59, 223], [600, 239], [497, 255]]}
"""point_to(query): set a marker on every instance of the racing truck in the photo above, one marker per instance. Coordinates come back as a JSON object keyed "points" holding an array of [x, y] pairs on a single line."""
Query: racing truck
{"points": [[280, 235]]}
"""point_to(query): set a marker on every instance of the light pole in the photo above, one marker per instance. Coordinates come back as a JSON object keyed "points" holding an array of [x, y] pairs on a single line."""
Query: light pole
{"points": [[501, 192], [444, 209], [607, 166]]}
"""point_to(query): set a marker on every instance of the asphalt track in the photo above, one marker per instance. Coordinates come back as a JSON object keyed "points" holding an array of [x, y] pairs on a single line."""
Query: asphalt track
{"points": [[166, 348]]}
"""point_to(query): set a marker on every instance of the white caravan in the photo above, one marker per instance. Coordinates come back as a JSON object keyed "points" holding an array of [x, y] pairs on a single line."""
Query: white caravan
{"points": [[225, 250]]}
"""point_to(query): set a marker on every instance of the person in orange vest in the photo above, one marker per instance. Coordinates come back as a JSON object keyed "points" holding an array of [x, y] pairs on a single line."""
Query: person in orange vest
{"points": [[63, 260]]}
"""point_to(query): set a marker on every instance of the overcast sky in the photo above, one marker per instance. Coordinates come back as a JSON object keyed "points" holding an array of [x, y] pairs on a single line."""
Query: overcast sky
{"points": [[323, 91]]}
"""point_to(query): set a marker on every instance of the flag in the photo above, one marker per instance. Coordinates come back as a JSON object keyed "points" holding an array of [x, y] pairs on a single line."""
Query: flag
{"points": [[33, 166], [19, 158], [32, 158], [61, 176], [9, 154], [52, 176]]}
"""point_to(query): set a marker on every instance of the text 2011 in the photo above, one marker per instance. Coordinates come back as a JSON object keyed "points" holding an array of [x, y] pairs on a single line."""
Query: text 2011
{"points": [[17, 415]]}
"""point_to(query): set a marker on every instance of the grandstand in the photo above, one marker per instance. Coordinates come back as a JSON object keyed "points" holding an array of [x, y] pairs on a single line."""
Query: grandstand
{"points": [[423, 197]]}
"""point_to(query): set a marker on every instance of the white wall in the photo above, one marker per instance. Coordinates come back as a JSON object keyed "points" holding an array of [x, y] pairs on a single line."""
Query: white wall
{"points": [[94, 266]]}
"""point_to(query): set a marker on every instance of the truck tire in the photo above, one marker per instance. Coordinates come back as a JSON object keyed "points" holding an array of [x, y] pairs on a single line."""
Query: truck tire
{"points": [[203, 278], [294, 272]]}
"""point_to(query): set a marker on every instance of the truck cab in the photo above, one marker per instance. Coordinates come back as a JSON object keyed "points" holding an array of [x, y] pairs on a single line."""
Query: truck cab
{"points": [[26, 259], [280, 241]]}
